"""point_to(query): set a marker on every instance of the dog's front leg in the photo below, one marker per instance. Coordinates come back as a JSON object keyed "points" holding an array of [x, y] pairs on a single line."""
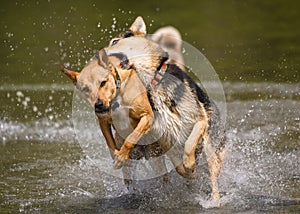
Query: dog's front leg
{"points": [[132, 139], [105, 127]]}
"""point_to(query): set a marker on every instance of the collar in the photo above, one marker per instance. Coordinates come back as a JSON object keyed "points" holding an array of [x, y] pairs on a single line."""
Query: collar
{"points": [[115, 103], [118, 80], [159, 75]]}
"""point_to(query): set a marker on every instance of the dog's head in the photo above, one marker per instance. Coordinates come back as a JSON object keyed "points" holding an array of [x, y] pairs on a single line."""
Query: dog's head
{"points": [[168, 38], [99, 81], [137, 29], [143, 53]]}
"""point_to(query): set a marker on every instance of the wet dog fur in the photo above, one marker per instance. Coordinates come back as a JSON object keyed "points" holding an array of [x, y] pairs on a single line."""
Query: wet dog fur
{"points": [[98, 82], [146, 57], [167, 37]]}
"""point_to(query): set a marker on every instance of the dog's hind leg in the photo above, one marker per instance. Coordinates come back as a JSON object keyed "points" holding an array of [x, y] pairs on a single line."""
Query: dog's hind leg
{"points": [[199, 133], [127, 177], [214, 160], [220, 153], [174, 152]]}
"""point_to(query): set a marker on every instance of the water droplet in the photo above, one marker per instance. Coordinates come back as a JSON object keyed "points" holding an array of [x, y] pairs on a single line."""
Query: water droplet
{"points": [[3, 140], [67, 64], [20, 94], [24, 103], [35, 109], [9, 34]]}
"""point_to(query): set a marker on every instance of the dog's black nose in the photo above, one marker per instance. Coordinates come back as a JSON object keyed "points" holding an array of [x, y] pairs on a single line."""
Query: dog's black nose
{"points": [[100, 107], [99, 104]]}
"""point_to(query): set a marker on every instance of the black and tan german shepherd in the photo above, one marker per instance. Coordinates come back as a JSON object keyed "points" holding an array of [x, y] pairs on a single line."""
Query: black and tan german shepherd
{"points": [[186, 116]]}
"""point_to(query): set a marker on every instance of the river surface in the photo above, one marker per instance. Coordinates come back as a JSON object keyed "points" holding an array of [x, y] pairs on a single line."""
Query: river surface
{"points": [[254, 48], [44, 168]]}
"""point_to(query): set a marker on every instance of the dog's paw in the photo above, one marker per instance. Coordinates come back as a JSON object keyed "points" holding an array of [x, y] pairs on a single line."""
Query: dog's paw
{"points": [[215, 196], [189, 163], [184, 173], [120, 159]]}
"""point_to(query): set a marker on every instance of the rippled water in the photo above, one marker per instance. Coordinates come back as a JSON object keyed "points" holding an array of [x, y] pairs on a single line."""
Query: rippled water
{"points": [[43, 168]]}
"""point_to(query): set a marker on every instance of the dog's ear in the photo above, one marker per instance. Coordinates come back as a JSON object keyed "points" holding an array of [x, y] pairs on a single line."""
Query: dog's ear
{"points": [[71, 74], [103, 59], [139, 27]]}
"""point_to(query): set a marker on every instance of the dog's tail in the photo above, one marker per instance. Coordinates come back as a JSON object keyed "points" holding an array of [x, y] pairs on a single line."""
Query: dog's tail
{"points": [[169, 39]]}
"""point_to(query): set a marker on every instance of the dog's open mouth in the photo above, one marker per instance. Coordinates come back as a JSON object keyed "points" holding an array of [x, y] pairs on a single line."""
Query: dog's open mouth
{"points": [[102, 111]]}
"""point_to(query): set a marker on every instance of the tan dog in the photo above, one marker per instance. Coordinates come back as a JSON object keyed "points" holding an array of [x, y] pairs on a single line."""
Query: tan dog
{"points": [[107, 87], [191, 116]]}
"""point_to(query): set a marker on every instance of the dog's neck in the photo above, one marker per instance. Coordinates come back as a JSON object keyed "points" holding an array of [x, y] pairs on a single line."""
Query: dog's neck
{"points": [[123, 78], [159, 75], [131, 88], [148, 74]]}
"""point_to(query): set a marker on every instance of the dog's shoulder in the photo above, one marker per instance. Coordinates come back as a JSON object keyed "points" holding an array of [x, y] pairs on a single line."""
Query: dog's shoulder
{"points": [[196, 89]]}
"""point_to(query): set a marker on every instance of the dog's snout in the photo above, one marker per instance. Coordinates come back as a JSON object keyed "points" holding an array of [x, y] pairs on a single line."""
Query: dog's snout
{"points": [[100, 107], [99, 104]]}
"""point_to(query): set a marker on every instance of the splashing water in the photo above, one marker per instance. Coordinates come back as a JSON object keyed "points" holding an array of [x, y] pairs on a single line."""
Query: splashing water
{"points": [[260, 170]]}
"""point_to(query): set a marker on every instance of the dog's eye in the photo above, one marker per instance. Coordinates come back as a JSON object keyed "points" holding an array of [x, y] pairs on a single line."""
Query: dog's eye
{"points": [[115, 41], [85, 89], [102, 84]]}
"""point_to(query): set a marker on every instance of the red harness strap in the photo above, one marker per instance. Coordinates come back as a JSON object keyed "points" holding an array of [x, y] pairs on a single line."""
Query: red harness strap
{"points": [[159, 75]]}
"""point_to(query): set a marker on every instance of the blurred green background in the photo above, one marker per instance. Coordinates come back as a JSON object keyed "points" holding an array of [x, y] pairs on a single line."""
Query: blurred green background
{"points": [[244, 40]]}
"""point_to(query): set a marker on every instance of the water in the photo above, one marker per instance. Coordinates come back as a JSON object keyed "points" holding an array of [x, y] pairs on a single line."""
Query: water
{"points": [[250, 41], [43, 168], [254, 48]]}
